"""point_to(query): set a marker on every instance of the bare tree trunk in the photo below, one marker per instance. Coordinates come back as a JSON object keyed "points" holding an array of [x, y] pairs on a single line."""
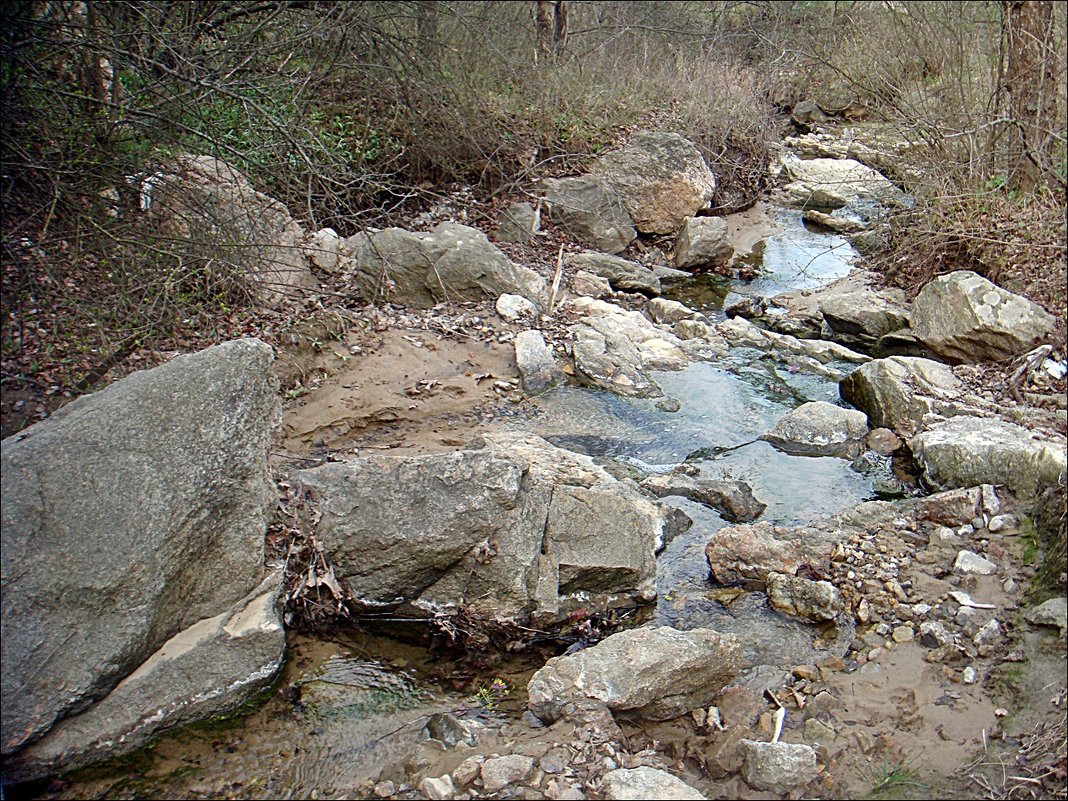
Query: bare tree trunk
{"points": [[559, 27], [426, 27], [1029, 80], [543, 19], [550, 17]]}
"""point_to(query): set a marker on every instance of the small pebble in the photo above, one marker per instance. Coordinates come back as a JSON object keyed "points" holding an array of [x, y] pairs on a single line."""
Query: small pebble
{"points": [[968, 675]]}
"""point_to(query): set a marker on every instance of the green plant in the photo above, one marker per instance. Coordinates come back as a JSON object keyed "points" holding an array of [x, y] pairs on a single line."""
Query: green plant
{"points": [[489, 696], [893, 778]]}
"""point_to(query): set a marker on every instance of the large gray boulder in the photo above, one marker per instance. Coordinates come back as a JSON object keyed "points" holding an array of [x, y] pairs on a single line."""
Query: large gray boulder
{"points": [[452, 263], [519, 223], [214, 210], [968, 451], [622, 274], [590, 211], [703, 243], [963, 318], [658, 673], [209, 668], [129, 516], [512, 529], [901, 390], [819, 428], [661, 178]]}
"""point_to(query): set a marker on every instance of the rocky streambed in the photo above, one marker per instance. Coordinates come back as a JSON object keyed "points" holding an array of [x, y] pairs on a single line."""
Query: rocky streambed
{"points": [[653, 535]]}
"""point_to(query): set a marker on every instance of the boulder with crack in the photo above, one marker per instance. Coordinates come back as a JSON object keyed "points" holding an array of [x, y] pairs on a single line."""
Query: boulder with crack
{"points": [[964, 318], [452, 263], [657, 673], [512, 529], [130, 517], [661, 178]]}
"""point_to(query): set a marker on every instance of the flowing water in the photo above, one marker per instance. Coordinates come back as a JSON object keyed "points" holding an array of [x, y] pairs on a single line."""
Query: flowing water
{"points": [[350, 704]]}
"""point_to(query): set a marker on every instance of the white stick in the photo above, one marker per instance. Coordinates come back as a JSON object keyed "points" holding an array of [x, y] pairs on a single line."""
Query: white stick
{"points": [[780, 716]]}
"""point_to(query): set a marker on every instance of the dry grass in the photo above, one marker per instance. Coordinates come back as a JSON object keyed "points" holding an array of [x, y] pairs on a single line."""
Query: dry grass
{"points": [[1037, 768]]}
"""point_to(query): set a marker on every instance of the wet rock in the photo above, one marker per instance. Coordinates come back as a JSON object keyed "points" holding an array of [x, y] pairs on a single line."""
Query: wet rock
{"points": [[819, 428], [883, 441], [801, 597], [451, 730], [514, 308], [661, 178], [487, 526], [614, 349], [131, 515], [748, 307], [968, 451], [452, 263], [437, 789], [778, 767], [669, 312], [968, 562], [900, 388], [658, 673], [736, 553], [622, 274], [703, 244], [212, 666], [538, 369], [1053, 612], [214, 210], [500, 772], [519, 223], [669, 405], [733, 499], [645, 782], [964, 318], [837, 225], [589, 210], [590, 285]]}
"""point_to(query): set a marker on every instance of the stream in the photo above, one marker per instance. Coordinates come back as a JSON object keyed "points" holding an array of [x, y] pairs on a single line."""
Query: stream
{"points": [[349, 703]]}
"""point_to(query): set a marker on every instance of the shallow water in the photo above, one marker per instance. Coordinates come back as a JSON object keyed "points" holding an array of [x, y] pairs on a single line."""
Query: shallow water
{"points": [[350, 704], [794, 257]]}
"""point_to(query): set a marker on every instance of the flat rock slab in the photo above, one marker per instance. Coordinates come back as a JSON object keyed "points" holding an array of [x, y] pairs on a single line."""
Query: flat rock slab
{"points": [[969, 451], [622, 274], [659, 673], [638, 784], [732, 499]]}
